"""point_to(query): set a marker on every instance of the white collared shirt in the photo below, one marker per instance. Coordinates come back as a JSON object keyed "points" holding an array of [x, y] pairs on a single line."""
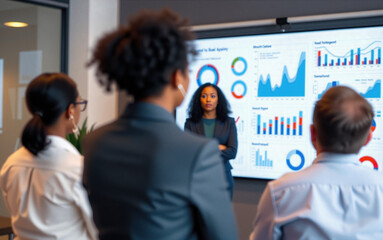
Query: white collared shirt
{"points": [[44, 193], [335, 198]]}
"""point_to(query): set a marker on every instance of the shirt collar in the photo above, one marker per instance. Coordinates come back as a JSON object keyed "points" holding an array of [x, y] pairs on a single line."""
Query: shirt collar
{"points": [[351, 158], [56, 141]]}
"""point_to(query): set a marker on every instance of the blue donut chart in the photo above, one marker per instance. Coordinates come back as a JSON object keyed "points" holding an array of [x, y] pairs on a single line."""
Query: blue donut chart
{"points": [[207, 67], [244, 87], [239, 59], [300, 154]]}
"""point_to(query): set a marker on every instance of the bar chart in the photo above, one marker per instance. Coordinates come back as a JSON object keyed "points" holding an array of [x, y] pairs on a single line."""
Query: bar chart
{"points": [[370, 55], [329, 85], [262, 160], [280, 125]]}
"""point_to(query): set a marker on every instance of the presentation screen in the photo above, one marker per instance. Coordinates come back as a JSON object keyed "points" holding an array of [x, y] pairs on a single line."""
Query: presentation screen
{"points": [[272, 82]]}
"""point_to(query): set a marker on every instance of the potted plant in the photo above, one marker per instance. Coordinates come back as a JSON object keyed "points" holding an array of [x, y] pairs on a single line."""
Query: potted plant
{"points": [[76, 138]]}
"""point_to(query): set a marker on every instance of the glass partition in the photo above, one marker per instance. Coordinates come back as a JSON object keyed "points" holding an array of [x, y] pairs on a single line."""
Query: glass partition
{"points": [[25, 52]]}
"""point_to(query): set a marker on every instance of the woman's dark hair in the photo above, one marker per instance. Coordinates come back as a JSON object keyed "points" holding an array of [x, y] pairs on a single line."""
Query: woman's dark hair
{"points": [[141, 56], [47, 97], [195, 110]]}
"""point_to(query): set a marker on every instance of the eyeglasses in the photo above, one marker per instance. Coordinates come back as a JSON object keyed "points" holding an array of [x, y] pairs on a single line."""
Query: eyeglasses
{"points": [[82, 104]]}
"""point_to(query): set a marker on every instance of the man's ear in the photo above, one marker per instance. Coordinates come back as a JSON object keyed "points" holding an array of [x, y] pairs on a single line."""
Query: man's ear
{"points": [[369, 137], [313, 135]]}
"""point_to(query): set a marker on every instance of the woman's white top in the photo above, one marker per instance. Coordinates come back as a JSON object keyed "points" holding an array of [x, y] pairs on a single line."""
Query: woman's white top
{"points": [[45, 195]]}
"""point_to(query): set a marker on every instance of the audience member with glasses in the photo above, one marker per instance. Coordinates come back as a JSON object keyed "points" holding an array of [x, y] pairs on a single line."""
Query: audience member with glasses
{"points": [[41, 182]]}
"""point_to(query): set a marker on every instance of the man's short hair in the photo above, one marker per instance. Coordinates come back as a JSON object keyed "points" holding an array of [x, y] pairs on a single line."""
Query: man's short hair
{"points": [[342, 119]]}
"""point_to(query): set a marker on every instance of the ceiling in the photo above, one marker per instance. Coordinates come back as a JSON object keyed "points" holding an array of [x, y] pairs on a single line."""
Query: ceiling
{"points": [[10, 5], [17, 11]]}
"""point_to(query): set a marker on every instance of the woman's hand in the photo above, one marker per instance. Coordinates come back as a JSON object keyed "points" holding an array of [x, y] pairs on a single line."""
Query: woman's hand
{"points": [[222, 147]]}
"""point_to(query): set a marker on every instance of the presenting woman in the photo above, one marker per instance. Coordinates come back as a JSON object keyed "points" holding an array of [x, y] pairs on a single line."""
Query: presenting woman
{"points": [[41, 182], [208, 116]]}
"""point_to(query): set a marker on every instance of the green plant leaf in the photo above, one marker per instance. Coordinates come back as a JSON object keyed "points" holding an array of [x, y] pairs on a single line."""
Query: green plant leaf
{"points": [[76, 139]]}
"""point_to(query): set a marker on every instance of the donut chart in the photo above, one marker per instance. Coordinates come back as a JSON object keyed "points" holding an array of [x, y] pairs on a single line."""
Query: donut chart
{"points": [[237, 61], [371, 160], [207, 68], [301, 156], [233, 87], [373, 126]]}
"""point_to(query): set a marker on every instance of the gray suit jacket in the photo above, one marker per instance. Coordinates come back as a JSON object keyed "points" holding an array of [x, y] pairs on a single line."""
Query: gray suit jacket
{"points": [[148, 179]]}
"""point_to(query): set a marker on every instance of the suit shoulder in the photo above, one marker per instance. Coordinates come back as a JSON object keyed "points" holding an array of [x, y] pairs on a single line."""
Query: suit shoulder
{"points": [[198, 145], [99, 133]]}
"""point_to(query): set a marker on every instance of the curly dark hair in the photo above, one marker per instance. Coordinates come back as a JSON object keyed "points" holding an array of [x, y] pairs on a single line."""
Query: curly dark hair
{"points": [[195, 110], [141, 56]]}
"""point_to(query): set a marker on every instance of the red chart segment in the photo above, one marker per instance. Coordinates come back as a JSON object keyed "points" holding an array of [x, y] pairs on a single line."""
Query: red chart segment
{"points": [[373, 126], [243, 91], [370, 160]]}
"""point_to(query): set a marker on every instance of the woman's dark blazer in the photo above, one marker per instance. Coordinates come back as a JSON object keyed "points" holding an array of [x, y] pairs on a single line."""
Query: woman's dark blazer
{"points": [[226, 134], [148, 179]]}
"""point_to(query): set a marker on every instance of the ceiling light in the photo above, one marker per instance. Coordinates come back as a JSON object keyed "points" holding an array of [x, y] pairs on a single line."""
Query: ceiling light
{"points": [[16, 24]]}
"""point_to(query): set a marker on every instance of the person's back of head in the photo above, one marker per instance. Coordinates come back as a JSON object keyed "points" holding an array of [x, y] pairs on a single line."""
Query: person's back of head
{"points": [[47, 97], [342, 119], [141, 57]]}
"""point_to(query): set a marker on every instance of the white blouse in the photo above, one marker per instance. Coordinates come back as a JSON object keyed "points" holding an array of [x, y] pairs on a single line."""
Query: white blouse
{"points": [[44, 193]]}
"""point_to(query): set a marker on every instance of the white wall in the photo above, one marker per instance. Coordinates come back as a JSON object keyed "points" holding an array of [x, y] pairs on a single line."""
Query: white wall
{"points": [[89, 20]]}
